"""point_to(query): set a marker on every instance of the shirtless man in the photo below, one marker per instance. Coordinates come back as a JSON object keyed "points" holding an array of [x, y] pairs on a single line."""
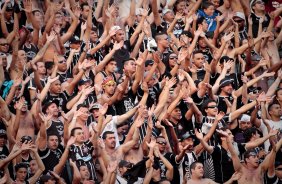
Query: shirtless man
{"points": [[111, 152], [252, 172], [197, 173]]}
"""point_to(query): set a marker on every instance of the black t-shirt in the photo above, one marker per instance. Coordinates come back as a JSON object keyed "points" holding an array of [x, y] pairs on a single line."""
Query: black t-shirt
{"points": [[222, 162], [126, 104], [154, 93], [30, 50], [51, 158], [255, 26], [62, 98]]}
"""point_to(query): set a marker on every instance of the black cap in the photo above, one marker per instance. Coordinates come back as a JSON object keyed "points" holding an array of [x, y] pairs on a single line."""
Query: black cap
{"points": [[225, 82], [187, 135], [45, 178], [74, 39], [9, 6], [3, 133], [149, 62], [26, 138], [124, 163], [83, 81], [48, 103], [254, 89]]}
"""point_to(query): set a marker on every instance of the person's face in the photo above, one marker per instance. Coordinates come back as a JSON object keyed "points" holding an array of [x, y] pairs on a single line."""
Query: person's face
{"points": [[161, 142], [79, 134], [53, 142], [259, 6], [111, 66], [93, 36], [119, 35], [56, 87], [239, 21], [279, 96], [130, 66], [180, 7], [24, 107], [21, 174], [275, 110], [2, 141], [172, 60], [122, 170], [169, 16], [227, 4], [53, 109], [205, 26], [85, 113], [229, 134], [85, 11], [41, 68], [211, 109], [38, 16], [123, 129], [176, 114], [62, 64], [189, 141], [84, 172], [110, 141], [253, 161], [199, 60], [227, 89], [164, 41], [58, 19], [95, 113], [244, 125], [75, 45], [210, 10], [8, 14], [215, 3], [198, 172], [4, 60], [184, 40], [110, 88], [278, 171], [33, 166], [22, 57], [50, 181], [4, 46], [202, 43]]}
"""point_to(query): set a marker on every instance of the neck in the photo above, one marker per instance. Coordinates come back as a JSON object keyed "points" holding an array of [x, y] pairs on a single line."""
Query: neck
{"points": [[80, 122], [275, 118], [224, 145], [259, 13], [174, 121], [110, 150], [195, 178]]}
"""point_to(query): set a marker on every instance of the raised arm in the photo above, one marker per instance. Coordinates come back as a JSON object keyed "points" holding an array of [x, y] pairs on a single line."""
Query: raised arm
{"points": [[40, 164]]}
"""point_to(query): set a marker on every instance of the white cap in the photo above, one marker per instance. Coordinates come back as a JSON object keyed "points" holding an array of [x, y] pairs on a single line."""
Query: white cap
{"points": [[138, 11], [240, 15], [115, 28], [166, 11], [245, 118]]}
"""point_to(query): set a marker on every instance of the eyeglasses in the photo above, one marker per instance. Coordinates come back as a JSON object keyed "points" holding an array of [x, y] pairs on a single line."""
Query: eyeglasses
{"points": [[63, 61], [211, 107], [162, 143], [239, 21], [173, 58], [4, 44]]}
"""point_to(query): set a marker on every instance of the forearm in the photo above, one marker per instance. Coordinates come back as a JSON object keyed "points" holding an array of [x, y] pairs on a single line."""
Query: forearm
{"points": [[11, 95], [59, 167], [257, 142]]}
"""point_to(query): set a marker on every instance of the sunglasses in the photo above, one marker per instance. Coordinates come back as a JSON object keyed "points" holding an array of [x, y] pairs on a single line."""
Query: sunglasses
{"points": [[212, 107], [4, 44], [238, 21], [162, 143], [63, 61], [173, 58]]}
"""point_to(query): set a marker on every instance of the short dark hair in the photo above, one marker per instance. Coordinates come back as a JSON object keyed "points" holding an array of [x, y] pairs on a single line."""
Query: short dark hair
{"points": [[271, 105], [193, 165], [206, 5], [21, 165], [196, 52], [74, 129], [125, 61], [82, 105], [249, 133], [82, 5], [104, 136], [200, 20], [205, 105]]}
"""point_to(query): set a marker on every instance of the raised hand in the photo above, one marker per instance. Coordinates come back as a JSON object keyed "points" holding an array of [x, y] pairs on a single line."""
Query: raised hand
{"points": [[19, 104], [225, 134], [199, 135], [178, 16], [51, 80], [71, 141], [159, 125], [139, 122], [103, 110], [171, 82], [51, 36], [45, 118], [219, 116], [83, 26], [151, 110], [273, 132], [266, 74], [118, 46], [152, 144]]}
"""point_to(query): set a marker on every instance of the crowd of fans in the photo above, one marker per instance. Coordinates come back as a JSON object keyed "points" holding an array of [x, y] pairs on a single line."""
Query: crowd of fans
{"points": [[141, 91]]}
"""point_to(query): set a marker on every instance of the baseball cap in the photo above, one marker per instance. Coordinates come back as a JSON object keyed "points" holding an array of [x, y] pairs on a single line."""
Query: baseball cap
{"points": [[83, 81], [95, 106], [74, 39], [3, 133], [187, 135], [225, 82], [9, 6], [245, 118], [48, 103], [115, 28], [241, 15], [166, 10]]}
